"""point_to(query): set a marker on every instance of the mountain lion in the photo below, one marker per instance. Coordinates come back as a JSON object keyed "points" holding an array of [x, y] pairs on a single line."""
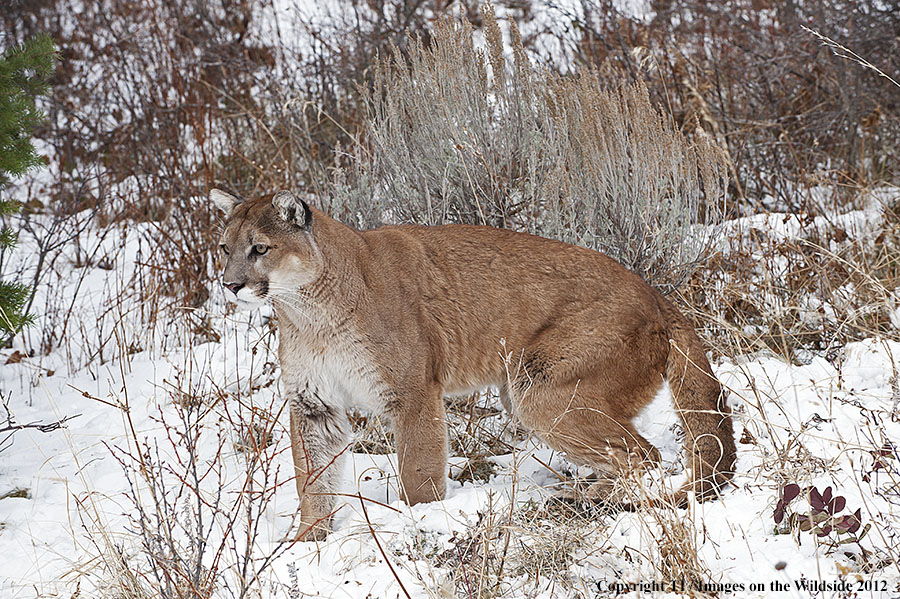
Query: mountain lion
{"points": [[394, 319]]}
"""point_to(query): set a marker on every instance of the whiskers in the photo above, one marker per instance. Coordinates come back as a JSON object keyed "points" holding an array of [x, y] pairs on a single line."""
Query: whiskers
{"points": [[295, 299]]}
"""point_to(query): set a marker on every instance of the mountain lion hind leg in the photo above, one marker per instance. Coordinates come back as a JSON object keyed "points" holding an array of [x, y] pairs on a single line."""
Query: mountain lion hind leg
{"points": [[579, 392], [580, 419]]}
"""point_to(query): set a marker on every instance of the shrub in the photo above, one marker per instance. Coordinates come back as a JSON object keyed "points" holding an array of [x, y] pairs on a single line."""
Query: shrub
{"points": [[458, 134], [788, 113], [823, 517]]}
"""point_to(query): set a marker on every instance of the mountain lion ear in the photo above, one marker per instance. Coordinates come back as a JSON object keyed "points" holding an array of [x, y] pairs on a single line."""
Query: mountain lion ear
{"points": [[224, 201], [292, 209]]}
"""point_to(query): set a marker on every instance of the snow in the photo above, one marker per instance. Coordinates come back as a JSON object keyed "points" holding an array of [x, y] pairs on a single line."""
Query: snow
{"points": [[821, 423]]}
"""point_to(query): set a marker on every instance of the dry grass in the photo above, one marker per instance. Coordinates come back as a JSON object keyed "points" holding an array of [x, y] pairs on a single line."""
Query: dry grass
{"points": [[828, 281], [518, 550]]}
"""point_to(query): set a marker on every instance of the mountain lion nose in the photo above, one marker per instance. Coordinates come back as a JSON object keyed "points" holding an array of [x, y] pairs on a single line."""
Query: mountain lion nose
{"points": [[233, 287]]}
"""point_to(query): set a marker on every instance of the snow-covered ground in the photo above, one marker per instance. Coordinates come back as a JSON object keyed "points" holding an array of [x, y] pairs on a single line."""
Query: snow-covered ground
{"points": [[180, 409]]}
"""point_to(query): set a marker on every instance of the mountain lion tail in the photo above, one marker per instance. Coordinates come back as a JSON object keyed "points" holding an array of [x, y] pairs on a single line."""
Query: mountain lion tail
{"points": [[700, 404]]}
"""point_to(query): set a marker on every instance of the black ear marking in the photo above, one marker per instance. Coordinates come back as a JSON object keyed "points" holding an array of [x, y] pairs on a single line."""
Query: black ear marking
{"points": [[292, 209]]}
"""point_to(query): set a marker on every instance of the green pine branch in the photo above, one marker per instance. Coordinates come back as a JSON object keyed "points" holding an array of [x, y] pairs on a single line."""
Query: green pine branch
{"points": [[25, 72], [13, 297]]}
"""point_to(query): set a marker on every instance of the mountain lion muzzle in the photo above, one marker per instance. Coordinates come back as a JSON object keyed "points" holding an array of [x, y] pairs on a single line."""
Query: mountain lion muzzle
{"points": [[394, 319]]}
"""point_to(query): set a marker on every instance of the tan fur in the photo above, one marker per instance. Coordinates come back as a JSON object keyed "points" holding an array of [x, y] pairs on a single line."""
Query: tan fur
{"points": [[396, 318]]}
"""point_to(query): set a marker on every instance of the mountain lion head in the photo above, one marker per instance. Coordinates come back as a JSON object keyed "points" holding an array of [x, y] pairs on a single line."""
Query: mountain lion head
{"points": [[269, 247]]}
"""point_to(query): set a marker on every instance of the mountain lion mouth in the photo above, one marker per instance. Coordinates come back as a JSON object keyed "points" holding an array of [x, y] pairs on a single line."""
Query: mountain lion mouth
{"points": [[248, 298]]}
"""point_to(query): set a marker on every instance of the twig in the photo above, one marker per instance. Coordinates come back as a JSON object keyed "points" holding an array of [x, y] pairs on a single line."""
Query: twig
{"points": [[380, 548], [845, 52], [44, 427], [10, 426]]}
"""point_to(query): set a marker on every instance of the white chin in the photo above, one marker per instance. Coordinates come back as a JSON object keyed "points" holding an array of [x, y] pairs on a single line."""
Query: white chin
{"points": [[244, 300], [244, 305]]}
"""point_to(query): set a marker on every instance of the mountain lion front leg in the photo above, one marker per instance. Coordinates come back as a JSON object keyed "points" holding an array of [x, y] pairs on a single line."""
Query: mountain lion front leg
{"points": [[420, 434], [319, 437]]}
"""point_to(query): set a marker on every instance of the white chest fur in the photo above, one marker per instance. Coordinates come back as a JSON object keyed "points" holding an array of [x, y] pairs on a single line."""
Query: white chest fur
{"points": [[334, 365]]}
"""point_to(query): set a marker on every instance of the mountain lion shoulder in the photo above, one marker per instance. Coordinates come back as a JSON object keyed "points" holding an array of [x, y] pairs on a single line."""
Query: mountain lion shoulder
{"points": [[396, 318]]}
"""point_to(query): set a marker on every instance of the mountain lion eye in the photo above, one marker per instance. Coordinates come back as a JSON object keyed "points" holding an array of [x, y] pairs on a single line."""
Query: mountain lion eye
{"points": [[224, 248], [260, 249]]}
